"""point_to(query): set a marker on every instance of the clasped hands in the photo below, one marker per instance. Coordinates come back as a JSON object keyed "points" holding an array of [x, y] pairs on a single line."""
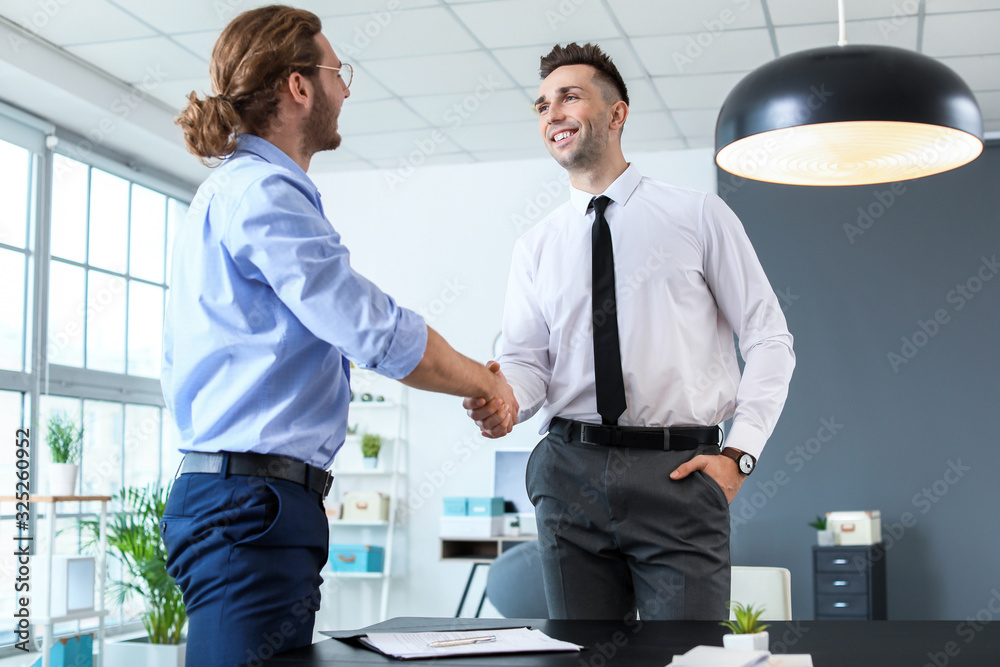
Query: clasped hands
{"points": [[495, 415]]}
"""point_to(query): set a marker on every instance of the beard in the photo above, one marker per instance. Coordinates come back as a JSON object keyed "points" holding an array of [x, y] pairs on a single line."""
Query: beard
{"points": [[320, 130], [589, 150]]}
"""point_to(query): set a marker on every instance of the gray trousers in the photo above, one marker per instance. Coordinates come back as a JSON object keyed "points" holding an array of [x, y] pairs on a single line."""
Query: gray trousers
{"points": [[617, 535]]}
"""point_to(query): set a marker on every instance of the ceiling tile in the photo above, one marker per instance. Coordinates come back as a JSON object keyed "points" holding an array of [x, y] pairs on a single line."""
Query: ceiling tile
{"points": [[159, 58], [902, 34], [407, 33], [961, 34], [200, 43], [649, 126], [452, 158], [464, 73], [979, 72], [989, 103], [703, 141], [796, 12], [400, 146], [991, 125], [642, 96], [696, 122], [500, 136], [522, 62], [732, 51], [65, 23], [457, 109], [711, 16], [705, 91], [536, 22], [383, 116], [187, 15], [511, 154]]}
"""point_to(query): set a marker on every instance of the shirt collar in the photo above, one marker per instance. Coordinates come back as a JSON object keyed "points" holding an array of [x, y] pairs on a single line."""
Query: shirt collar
{"points": [[250, 143], [620, 191]]}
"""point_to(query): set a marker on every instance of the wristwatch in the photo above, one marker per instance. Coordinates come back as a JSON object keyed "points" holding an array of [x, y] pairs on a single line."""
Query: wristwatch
{"points": [[745, 462]]}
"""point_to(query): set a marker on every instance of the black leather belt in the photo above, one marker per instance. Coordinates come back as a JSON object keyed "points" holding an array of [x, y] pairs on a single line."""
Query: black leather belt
{"points": [[667, 439], [258, 465]]}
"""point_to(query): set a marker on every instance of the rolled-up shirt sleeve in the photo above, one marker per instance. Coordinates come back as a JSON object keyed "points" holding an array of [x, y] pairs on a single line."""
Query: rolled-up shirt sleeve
{"points": [[277, 235]]}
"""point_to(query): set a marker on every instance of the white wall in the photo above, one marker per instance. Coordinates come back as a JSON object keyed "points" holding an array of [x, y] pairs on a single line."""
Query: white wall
{"points": [[440, 243]]}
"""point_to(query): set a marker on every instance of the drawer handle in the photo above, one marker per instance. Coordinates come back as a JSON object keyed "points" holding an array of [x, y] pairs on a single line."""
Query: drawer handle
{"points": [[840, 582], [840, 561], [840, 605]]}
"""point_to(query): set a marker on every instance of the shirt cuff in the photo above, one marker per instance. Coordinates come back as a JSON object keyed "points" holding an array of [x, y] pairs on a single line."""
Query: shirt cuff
{"points": [[407, 347], [746, 438]]}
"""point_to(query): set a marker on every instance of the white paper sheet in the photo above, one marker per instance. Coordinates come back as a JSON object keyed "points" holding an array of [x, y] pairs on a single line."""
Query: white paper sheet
{"points": [[716, 656], [415, 644]]}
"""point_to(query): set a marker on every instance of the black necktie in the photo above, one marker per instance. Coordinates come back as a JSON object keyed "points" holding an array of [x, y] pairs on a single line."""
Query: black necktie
{"points": [[607, 352]]}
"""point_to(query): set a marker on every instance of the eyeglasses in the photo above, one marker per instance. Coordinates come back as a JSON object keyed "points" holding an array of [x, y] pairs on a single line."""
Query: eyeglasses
{"points": [[344, 67]]}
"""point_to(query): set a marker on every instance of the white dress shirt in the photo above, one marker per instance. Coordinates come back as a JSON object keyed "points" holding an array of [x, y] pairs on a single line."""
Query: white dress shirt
{"points": [[686, 278]]}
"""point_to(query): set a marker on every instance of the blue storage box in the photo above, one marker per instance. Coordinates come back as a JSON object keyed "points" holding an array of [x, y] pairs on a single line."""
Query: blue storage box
{"points": [[356, 558], [485, 506], [71, 652], [456, 506]]}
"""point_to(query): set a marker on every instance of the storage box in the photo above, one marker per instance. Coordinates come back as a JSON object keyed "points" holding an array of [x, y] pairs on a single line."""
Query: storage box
{"points": [[365, 506], [855, 528], [71, 652], [471, 526], [485, 506], [456, 506], [356, 558]]}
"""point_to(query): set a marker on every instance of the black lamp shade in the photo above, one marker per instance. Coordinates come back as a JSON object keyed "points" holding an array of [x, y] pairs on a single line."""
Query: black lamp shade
{"points": [[848, 115]]}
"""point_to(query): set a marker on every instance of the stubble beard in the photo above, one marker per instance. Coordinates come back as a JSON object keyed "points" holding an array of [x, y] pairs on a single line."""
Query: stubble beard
{"points": [[588, 153], [320, 130]]}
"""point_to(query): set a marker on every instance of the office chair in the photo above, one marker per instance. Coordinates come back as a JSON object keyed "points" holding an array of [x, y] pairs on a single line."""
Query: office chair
{"points": [[768, 587], [514, 583]]}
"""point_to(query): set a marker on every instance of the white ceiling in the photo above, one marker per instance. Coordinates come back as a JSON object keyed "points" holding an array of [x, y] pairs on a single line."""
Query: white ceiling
{"points": [[469, 68]]}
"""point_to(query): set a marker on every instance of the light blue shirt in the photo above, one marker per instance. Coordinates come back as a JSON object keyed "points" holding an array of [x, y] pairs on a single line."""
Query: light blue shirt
{"points": [[264, 313]]}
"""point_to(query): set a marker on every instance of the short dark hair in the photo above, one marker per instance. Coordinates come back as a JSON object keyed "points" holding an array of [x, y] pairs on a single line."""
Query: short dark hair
{"points": [[607, 77]]}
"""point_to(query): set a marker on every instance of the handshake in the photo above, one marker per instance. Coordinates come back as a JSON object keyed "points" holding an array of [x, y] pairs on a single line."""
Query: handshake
{"points": [[496, 413]]}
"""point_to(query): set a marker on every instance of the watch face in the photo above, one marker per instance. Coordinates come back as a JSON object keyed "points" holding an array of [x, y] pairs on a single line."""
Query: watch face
{"points": [[746, 464]]}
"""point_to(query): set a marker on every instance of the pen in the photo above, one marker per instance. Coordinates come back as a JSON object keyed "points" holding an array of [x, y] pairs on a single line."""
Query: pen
{"points": [[463, 642]]}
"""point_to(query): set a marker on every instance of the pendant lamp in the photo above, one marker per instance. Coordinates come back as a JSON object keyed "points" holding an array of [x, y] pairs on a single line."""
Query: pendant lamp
{"points": [[848, 115]]}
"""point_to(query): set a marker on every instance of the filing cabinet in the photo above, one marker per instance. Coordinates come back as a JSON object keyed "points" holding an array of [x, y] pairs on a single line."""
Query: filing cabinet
{"points": [[849, 582]]}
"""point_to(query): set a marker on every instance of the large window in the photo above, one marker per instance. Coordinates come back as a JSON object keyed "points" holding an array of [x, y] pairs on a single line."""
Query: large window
{"points": [[84, 277]]}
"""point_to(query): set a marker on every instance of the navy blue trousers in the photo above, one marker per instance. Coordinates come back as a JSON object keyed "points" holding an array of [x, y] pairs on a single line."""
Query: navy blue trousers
{"points": [[247, 553]]}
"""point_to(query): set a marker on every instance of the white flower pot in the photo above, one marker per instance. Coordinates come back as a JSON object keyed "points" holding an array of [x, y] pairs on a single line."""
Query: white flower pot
{"points": [[134, 652], [825, 538], [62, 479], [758, 641], [370, 462]]}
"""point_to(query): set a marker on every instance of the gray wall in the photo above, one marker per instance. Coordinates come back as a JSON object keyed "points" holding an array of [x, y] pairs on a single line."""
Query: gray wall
{"points": [[914, 436]]}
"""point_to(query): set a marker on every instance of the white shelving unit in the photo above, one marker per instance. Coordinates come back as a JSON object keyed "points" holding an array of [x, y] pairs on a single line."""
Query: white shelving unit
{"points": [[389, 419], [45, 620]]}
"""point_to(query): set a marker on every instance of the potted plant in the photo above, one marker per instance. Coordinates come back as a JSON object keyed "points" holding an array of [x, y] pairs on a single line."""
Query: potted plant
{"points": [[746, 631], [64, 437], [134, 537], [824, 537], [371, 445]]}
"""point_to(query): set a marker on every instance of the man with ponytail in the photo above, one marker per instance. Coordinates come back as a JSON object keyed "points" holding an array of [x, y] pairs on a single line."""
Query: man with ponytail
{"points": [[264, 317]]}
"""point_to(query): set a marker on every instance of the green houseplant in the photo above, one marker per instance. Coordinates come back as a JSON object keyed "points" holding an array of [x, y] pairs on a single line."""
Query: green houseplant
{"points": [[134, 537], [371, 445], [65, 439], [824, 536], [746, 630]]}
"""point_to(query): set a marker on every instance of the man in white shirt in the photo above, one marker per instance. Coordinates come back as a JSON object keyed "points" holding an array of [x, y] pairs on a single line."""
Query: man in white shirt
{"points": [[630, 491]]}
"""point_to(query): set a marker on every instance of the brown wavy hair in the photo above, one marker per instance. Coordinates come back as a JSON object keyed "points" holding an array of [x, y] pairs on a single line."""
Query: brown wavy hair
{"points": [[254, 56]]}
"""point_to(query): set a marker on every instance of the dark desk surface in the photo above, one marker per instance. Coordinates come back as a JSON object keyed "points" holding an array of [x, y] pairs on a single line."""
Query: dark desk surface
{"points": [[652, 643]]}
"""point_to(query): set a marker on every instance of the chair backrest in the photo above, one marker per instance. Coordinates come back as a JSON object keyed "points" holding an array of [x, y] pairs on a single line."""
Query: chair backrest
{"points": [[514, 584], [768, 587]]}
